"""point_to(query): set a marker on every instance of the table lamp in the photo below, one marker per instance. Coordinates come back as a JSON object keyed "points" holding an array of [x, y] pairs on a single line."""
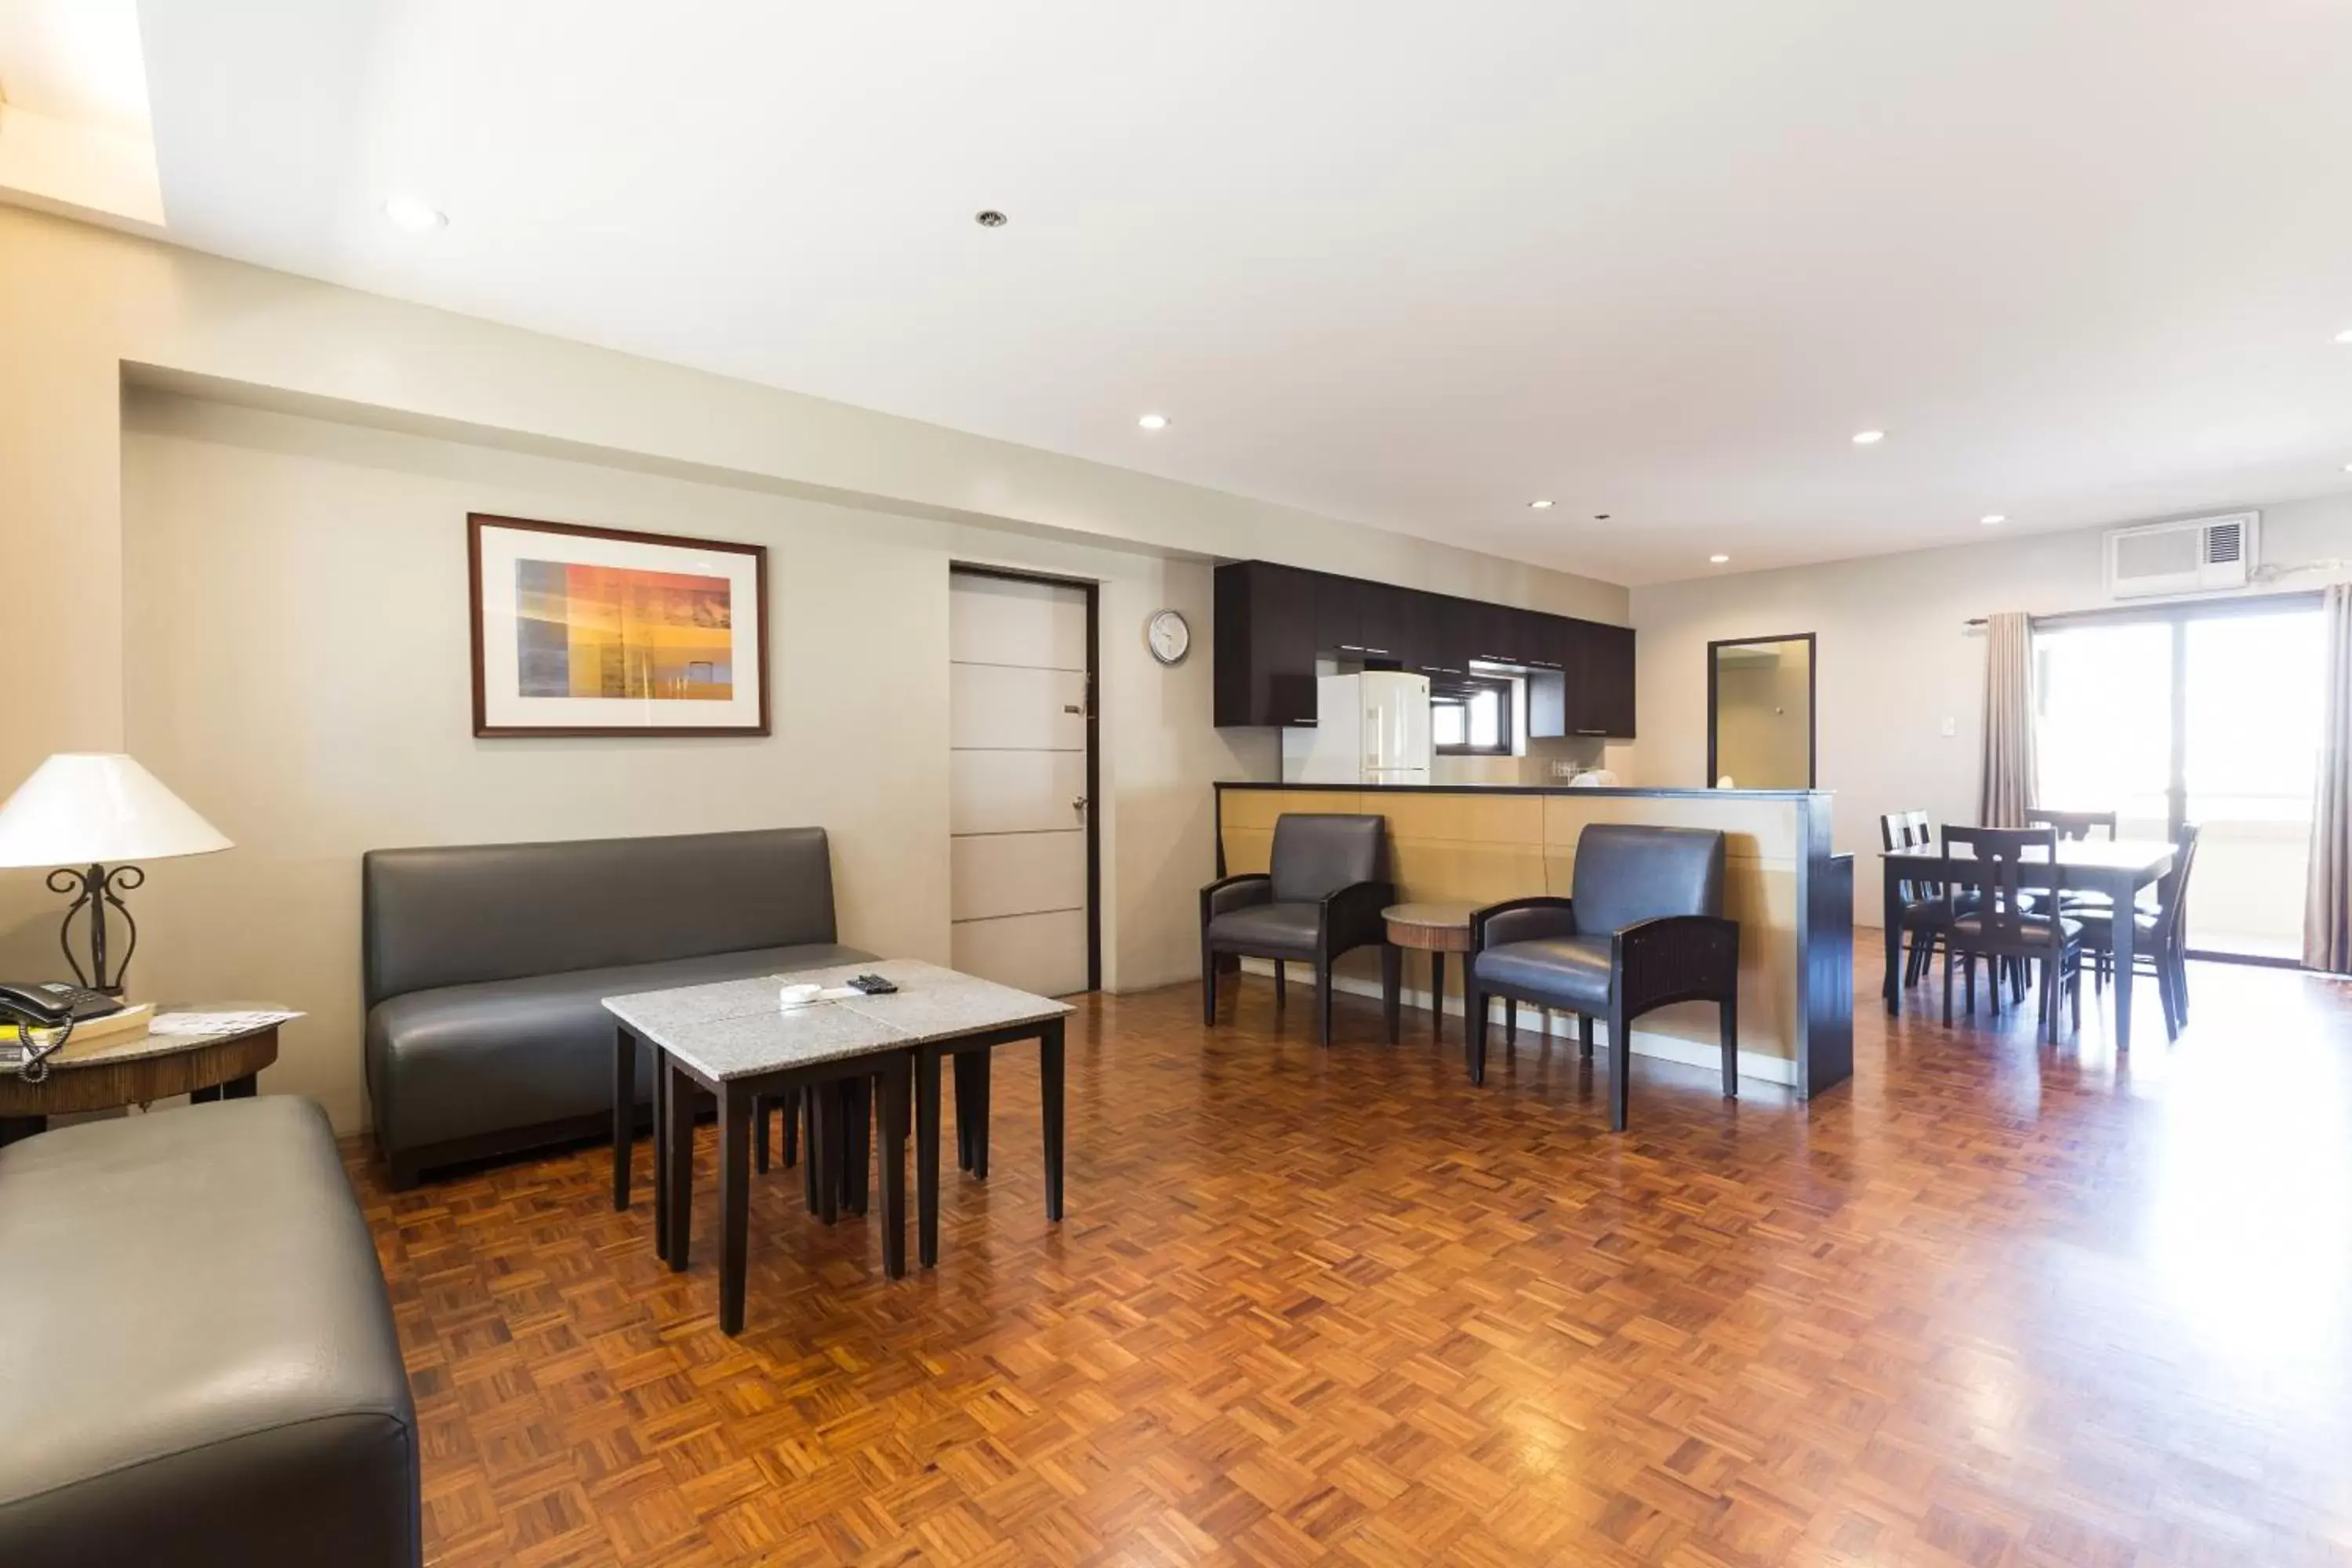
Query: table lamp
{"points": [[90, 814]]}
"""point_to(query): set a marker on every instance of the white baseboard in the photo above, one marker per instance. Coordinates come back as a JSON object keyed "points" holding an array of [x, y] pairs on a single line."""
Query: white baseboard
{"points": [[1646, 1042]]}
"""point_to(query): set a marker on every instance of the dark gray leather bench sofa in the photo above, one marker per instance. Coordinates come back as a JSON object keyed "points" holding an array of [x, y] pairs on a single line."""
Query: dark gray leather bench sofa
{"points": [[197, 1363], [486, 966]]}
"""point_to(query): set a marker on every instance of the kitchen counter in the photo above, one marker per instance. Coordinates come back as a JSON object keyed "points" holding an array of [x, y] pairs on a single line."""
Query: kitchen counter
{"points": [[1820, 795], [1481, 844]]}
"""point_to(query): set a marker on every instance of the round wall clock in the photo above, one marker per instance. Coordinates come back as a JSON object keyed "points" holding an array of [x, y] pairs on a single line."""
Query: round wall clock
{"points": [[1169, 638]]}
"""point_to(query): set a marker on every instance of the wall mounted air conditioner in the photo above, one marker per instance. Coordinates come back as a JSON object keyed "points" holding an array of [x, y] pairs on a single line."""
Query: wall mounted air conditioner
{"points": [[2203, 555]]}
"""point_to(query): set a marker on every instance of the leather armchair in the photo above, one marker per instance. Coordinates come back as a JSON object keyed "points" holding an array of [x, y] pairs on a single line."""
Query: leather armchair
{"points": [[1644, 930], [1322, 896]]}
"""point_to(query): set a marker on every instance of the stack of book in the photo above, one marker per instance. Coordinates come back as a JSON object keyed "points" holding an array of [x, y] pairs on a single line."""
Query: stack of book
{"points": [[131, 1020]]}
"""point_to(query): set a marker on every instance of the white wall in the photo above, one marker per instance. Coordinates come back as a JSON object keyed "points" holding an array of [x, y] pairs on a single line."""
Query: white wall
{"points": [[1895, 660], [271, 630], [297, 659]]}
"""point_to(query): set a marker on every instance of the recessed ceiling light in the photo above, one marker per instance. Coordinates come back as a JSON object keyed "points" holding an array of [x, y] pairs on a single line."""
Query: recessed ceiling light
{"points": [[1868, 437], [2345, 336], [1154, 422], [1717, 560], [1539, 505], [412, 214], [989, 217], [1992, 520]]}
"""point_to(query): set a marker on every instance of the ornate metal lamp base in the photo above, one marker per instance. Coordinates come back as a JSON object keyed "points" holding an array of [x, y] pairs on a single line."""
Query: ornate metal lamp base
{"points": [[95, 891]]}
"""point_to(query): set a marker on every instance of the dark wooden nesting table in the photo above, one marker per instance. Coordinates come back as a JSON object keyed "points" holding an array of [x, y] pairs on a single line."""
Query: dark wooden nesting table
{"points": [[734, 1041]]}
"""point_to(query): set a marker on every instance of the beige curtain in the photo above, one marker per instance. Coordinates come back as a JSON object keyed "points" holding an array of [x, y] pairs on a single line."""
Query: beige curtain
{"points": [[2327, 895], [2006, 791]]}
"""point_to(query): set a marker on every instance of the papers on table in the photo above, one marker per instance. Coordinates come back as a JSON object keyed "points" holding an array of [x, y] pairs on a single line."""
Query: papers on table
{"points": [[203, 1023]]}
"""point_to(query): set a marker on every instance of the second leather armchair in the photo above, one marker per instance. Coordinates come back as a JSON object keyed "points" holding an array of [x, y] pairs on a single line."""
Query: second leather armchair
{"points": [[1321, 896]]}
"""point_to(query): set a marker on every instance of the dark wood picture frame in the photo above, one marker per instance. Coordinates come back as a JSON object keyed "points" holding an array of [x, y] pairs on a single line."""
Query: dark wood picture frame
{"points": [[1812, 702], [478, 521]]}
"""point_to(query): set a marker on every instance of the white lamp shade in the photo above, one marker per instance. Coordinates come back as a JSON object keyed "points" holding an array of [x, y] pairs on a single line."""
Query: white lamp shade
{"points": [[91, 808]]}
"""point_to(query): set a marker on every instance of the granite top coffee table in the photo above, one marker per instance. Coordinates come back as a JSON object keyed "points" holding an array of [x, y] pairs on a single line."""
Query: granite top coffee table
{"points": [[735, 1041]]}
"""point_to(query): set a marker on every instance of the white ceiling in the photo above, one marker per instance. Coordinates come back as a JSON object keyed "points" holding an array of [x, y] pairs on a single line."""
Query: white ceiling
{"points": [[75, 61], [1408, 264]]}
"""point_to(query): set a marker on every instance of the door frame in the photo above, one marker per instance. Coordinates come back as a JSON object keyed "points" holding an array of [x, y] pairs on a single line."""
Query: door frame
{"points": [[1812, 702], [2176, 615], [1093, 591]]}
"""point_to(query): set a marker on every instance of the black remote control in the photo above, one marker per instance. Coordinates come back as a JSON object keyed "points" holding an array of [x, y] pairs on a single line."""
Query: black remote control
{"points": [[872, 984]]}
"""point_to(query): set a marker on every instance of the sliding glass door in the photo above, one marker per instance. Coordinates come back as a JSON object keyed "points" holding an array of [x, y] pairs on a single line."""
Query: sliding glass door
{"points": [[2207, 714], [2104, 735], [2251, 733]]}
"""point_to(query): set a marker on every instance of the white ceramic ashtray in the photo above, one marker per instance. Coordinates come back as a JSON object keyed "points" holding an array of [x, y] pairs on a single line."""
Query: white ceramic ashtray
{"points": [[792, 996]]}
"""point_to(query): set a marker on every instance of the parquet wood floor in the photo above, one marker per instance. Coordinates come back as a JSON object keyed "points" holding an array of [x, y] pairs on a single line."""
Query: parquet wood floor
{"points": [[1994, 1303]]}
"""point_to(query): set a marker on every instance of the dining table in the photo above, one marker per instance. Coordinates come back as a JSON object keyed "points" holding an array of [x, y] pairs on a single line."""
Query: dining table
{"points": [[2120, 868]]}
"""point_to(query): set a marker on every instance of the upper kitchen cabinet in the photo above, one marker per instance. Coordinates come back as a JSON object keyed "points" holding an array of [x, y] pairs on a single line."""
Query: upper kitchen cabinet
{"points": [[1604, 687], [1385, 624], [1264, 645], [1593, 693], [1358, 622], [1339, 615], [1273, 621], [1431, 637]]}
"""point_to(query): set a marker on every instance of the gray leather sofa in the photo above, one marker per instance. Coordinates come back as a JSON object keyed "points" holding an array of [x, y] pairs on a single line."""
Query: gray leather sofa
{"points": [[197, 1363], [486, 966]]}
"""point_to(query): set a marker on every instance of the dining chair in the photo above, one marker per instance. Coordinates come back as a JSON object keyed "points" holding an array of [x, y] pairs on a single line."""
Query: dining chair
{"points": [[2073, 824], [2003, 929], [2075, 827], [1923, 910], [2160, 946]]}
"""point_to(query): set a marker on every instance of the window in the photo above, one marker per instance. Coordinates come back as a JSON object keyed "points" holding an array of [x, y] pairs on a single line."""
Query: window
{"points": [[1471, 718], [2207, 713]]}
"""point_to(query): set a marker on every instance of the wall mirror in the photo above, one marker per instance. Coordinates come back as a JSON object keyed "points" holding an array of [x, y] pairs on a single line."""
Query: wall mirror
{"points": [[1759, 713]]}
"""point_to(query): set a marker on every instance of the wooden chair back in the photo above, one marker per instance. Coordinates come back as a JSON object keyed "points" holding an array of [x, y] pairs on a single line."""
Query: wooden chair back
{"points": [[1906, 830], [2005, 924], [2075, 825], [2172, 893]]}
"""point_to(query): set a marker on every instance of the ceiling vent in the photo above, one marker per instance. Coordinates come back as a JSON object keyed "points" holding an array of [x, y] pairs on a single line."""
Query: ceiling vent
{"points": [[2203, 555]]}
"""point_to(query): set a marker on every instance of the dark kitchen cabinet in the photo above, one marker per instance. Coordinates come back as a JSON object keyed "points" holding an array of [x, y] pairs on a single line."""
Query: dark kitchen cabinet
{"points": [[1264, 645], [1272, 621], [1384, 624], [1339, 616], [1604, 702], [1434, 641], [1592, 694], [1494, 633]]}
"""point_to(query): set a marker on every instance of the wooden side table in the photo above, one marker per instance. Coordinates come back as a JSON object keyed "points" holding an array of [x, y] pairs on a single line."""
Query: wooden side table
{"points": [[1433, 929], [112, 1070]]}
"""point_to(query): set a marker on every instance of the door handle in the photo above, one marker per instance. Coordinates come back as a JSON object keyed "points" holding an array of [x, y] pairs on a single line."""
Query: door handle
{"points": [[1079, 803]]}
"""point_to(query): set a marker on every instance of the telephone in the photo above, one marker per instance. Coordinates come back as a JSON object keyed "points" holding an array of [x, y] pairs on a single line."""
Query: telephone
{"points": [[44, 1005]]}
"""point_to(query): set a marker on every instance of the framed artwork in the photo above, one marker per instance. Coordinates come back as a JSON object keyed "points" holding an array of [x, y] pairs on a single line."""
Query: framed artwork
{"points": [[595, 631]]}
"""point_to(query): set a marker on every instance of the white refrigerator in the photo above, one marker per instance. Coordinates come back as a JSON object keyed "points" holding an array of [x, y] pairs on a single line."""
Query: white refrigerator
{"points": [[1369, 728]]}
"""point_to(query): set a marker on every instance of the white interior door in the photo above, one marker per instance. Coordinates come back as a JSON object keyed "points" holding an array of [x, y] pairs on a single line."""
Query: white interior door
{"points": [[1017, 783]]}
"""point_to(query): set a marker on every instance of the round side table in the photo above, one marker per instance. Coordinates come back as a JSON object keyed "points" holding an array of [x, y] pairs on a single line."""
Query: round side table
{"points": [[1436, 929], [112, 1070]]}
